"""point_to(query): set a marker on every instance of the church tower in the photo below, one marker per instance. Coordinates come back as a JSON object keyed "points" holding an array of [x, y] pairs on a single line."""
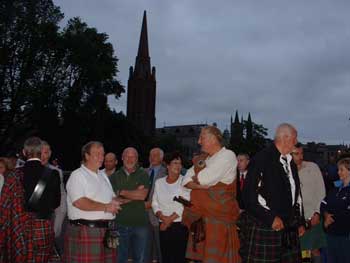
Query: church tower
{"points": [[141, 102]]}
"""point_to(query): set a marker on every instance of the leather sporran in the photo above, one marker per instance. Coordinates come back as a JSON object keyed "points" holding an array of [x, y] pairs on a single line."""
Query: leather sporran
{"points": [[197, 230], [111, 238]]}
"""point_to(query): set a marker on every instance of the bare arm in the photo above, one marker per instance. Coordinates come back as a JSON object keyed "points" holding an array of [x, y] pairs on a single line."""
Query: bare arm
{"points": [[139, 194], [193, 186], [86, 204]]}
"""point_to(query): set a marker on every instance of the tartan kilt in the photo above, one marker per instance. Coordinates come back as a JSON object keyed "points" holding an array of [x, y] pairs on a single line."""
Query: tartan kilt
{"points": [[262, 244], [220, 245], [83, 244], [314, 238], [41, 234]]}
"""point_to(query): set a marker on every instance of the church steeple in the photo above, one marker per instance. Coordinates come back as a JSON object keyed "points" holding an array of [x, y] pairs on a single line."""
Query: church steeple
{"points": [[143, 61], [142, 87]]}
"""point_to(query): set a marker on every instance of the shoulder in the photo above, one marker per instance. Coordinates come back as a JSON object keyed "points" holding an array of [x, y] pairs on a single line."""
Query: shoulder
{"points": [[228, 154], [141, 171]]}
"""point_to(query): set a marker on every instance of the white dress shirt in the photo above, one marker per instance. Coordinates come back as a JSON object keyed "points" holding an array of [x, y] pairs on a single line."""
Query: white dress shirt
{"points": [[95, 186], [163, 195], [220, 167]]}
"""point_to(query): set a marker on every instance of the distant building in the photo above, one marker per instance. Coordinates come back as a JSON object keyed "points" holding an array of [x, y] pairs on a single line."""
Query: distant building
{"points": [[186, 135], [141, 102]]}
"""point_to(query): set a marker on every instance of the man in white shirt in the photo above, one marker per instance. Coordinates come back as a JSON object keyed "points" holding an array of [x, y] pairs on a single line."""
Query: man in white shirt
{"points": [[313, 191], [213, 197], [91, 207]]}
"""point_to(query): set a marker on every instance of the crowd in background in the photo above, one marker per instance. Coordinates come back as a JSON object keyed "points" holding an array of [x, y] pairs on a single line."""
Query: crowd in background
{"points": [[273, 207]]}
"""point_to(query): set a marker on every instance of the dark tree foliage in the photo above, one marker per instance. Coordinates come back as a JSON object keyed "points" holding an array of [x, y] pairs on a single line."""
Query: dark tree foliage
{"points": [[54, 83]]}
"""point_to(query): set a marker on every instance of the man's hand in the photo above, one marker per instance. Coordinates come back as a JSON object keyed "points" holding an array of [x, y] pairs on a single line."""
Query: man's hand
{"points": [[315, 219], [148, 205], [328, 219], [301, 231], [113, 207], [277, 224]]}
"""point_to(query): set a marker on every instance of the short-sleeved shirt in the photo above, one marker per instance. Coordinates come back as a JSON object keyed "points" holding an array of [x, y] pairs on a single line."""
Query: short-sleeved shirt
{"points": [[95, 186], [134, 212]]}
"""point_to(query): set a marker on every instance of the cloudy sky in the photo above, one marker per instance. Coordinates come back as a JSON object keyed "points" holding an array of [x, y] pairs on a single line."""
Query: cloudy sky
{"points": [[280, 60]]}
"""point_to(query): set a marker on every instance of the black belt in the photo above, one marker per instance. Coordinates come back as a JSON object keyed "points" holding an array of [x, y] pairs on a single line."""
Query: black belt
{"points": [[90, 223]]}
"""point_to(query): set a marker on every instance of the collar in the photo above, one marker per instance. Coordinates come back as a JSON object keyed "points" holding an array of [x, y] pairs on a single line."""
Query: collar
{"points": [[33, 159], [88, 170]]}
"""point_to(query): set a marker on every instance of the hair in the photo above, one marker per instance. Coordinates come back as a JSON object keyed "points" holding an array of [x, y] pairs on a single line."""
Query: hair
{"points": [[298, 145], [161, 152], [132, 149], [344, 162], [87, 148], [169, 157], [284, 129], [215, 132], [245, 155], [32, 147], [5, 162]]}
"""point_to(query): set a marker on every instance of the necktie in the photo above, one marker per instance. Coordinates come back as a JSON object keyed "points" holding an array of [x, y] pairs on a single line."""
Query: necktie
{"points": [[151, 178], [241, 181], [285, 165]]}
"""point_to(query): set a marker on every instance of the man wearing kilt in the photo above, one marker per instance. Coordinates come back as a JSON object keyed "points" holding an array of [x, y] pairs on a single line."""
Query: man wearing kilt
{"points": [[91, 207], [33, 193], [271, 194], [213, 198]]}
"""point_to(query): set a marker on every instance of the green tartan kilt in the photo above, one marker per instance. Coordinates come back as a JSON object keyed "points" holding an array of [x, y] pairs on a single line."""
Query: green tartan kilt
{"points": [[85, 245]]}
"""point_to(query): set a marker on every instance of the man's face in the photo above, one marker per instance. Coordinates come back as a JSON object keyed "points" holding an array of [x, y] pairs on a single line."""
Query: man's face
{"points": [[175, 167], [95, 157], [290, 142], [45, 154], [110, 161], [130, 159], [155, 157], [298, 155], [243, 162], [205, 141]]}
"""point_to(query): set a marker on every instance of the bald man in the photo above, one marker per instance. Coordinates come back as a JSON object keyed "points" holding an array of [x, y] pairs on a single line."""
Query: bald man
{"points": [[272, 201], [110, 163]]}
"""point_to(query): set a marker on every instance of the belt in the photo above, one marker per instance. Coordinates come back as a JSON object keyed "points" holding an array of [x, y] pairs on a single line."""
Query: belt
{"points": [[90, 223]]}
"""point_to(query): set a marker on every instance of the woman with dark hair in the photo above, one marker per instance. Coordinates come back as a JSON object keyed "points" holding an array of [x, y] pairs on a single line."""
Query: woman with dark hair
{"points": [[173, 234], [336, 211]]}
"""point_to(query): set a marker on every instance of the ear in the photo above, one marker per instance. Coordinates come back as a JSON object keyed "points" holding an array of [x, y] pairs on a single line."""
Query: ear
{"points": [[24, 153]]}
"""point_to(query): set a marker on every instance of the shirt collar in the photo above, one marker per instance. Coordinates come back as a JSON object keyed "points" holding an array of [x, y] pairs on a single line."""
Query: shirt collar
{"points": [[33, 159]]}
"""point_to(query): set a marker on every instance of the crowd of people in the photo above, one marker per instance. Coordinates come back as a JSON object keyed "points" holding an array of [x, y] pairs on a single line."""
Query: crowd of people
{"points": [[271, 207]]}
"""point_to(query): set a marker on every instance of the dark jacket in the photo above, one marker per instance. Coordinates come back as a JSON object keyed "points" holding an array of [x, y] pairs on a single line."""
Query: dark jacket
{"points": [[274, 187], [337, 202], [51, 197]]}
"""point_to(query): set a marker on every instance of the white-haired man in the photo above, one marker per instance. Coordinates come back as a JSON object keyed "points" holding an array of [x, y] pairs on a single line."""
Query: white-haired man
{"points": [[272, 201], [155, 171]]}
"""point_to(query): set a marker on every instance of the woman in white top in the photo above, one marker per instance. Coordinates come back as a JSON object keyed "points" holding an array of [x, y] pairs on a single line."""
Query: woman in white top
{"points": [[173, 234]]}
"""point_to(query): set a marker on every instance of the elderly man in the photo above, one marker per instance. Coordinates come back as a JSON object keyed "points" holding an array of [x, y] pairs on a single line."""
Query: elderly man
{"points": [[131, 182], [28, 201], [155, 171], [213, 198], [313, 191], [272, 201], [110, 164], [91, 207], [61, 211]]}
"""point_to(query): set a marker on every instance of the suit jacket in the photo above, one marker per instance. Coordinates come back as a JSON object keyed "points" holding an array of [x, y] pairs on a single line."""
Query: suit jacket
{"points": [[162, 172], [239, 192], [51, 197], [267, 171]]}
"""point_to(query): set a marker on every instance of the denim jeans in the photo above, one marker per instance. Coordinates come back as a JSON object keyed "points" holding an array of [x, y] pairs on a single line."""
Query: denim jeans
{"points": [[135, 237]]}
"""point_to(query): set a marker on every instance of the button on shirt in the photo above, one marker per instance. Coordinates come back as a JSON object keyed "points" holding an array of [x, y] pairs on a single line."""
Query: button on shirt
{"points": [[95, 186], [220, 167]]}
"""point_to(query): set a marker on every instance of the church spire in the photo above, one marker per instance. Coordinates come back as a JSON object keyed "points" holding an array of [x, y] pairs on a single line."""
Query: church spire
{"points": [[143, 61], [143, 44]]}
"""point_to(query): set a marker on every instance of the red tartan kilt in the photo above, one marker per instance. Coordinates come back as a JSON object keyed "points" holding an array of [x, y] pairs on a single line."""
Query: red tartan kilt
{"points": [[41, 235]]}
